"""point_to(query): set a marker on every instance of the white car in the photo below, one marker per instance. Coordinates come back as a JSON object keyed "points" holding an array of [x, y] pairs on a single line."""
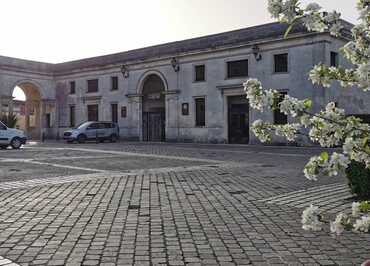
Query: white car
{"points": [[11, 136]]}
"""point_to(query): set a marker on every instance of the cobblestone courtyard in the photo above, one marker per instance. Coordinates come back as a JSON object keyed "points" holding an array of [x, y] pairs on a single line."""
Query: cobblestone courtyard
{"points": [[167, 204]]}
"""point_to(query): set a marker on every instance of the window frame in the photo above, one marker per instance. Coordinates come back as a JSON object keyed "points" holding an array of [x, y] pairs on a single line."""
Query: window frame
{"points": [[112, 87], [196, 113], [278, 112], [115, 114], [97, 110], [336, 63], [274, 63], [229, 61], [195, 73], [74, 116], [72, 89], [97, 85]]}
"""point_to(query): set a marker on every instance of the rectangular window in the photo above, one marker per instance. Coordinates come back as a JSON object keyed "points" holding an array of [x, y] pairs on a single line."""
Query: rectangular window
{"points": [[200, 112], [72, 87], [114, 112], [48, 120], [114, 83], [93, 112], [237, 69], [279, 117], [200, 73], [281, 63], [333, 59], [72, 116], [93, 85]]}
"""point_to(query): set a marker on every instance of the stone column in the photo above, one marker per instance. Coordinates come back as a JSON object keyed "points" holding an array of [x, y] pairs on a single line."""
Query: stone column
{"points": [[134, 114], [172, 116]]}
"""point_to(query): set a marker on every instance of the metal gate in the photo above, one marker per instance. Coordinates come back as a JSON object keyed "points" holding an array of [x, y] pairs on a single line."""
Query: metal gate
{"points": [[154, 126]]}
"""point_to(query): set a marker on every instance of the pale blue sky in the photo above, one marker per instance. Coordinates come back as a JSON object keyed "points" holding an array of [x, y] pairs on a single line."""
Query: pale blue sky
{"points": [[62, 30]]}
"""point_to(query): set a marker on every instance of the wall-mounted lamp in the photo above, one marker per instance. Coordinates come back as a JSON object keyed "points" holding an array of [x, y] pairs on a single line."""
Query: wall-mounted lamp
{"points": [[256, 52], [125, 71], [175, 64]]}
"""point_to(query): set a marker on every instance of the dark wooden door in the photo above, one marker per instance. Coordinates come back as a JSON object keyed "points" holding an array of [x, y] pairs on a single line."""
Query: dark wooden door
{"points": [[238, 120], [153, 126]]}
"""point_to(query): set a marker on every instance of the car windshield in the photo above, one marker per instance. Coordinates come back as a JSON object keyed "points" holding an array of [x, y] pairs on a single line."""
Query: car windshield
{"points": [[81, 125]]}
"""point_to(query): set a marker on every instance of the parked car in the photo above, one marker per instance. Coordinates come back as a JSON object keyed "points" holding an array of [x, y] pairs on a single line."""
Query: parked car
{"points": [[11, 136], [93, 130]]}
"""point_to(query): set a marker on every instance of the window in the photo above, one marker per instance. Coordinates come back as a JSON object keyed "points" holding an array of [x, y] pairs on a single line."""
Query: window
{"points": [[72, 116], [114, 83], [200, 73], [237, 69], [281, 63], [72, 87], [2, 126], [48, 120], [93, 112], [279, 117], [200, 112], [333, 59], [93, 85], [114, 112]]}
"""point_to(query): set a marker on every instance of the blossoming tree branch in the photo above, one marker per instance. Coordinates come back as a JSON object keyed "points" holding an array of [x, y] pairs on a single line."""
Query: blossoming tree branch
{"points": [[330, 127]]}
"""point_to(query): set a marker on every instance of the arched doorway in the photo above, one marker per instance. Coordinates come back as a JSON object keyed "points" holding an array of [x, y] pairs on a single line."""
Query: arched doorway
{"points": [[153, 109], [26, 105]]}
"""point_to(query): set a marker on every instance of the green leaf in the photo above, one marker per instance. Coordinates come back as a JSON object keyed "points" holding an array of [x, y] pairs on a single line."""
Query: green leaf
{"points": [[365, 142], [324, 156], [308, 103]]}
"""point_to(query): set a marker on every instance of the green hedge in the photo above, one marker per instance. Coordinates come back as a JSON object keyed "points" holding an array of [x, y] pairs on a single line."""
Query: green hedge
{"points": [[359, 180]]}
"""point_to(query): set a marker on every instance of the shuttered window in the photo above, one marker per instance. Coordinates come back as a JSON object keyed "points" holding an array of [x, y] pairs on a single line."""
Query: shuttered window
{"points": [[93, 85], [281, 63], [200, 73], [93, 112], [114, 83], [237, 69]]}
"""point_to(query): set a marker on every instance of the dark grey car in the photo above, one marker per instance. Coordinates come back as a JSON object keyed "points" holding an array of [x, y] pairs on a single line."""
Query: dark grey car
{"points": [[93, 130]]}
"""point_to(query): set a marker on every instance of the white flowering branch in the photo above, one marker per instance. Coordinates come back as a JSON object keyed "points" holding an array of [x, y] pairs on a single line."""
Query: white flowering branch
{"points": [[330, 127]]}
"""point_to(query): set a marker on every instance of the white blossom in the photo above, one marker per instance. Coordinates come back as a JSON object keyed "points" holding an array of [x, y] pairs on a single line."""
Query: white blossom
{"points": [[362, 225], [289, 131], [262, 130], [313, 7], [338, 226], [275, 7], [317, 76], [356, 209], [311, 170], [311, 219]]}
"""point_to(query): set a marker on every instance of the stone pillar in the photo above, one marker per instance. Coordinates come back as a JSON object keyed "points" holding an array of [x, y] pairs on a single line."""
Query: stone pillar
{"points": [[172, 116], [134, 114]]}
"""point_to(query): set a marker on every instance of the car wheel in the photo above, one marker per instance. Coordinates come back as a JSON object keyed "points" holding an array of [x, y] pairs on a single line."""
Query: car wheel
{"points": [[113, 138], [16, 143], [81, 138]]}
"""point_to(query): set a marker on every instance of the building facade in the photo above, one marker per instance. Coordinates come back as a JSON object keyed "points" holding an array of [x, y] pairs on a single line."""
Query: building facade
{"points": [[186, 91]]}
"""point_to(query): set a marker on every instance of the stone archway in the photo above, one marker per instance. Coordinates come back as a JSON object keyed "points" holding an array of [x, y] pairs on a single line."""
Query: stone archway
{"points": [[29, 113], [153, 108]]}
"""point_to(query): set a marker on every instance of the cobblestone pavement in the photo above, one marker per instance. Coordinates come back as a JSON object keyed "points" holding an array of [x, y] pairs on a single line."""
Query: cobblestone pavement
{"points": [[167, 204]]}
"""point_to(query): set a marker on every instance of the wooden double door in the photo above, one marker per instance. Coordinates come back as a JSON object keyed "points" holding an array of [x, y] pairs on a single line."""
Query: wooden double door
{"points": [[154, 125], [238, 119]]}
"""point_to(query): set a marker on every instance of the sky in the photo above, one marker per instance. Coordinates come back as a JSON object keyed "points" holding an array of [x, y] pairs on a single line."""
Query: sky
{"points": [[63, 30]]}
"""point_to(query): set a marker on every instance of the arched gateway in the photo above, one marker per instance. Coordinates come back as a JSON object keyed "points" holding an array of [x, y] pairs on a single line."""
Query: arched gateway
{"points": [[153, 109]]}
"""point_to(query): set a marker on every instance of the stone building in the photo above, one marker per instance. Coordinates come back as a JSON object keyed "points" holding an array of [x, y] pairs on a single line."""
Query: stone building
{"points": [[188, 91]]}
